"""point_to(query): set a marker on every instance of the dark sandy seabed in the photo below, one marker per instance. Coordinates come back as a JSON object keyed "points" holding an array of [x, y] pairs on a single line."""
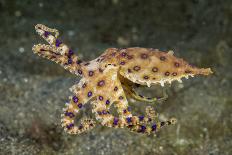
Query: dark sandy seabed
{"points": [[33, 90]]}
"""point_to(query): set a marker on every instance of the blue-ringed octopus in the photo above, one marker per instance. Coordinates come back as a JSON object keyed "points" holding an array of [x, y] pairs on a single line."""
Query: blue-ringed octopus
{"points": [[110, 79]]}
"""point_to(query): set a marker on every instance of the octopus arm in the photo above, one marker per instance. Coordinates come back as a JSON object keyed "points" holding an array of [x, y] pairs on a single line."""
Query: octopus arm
{"points": [[56, 50], [128, 87], [73, 107], [101, 108]]}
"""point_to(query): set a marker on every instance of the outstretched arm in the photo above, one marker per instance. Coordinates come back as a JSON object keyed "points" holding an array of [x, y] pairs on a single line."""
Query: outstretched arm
{"points": [[73, 108], [56, 50]]}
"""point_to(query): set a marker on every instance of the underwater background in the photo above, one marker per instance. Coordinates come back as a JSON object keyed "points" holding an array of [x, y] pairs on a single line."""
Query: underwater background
{"points": [[33, 90]]}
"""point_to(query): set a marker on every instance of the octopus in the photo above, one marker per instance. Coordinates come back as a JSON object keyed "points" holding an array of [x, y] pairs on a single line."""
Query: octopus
{"points": [[110, 80]]}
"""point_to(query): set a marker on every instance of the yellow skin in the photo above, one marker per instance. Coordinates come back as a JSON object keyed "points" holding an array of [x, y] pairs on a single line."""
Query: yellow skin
{"points": [[110, 78]]}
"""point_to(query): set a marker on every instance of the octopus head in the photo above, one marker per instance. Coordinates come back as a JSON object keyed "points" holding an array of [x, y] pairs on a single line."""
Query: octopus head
{"points": [[155, 67]]}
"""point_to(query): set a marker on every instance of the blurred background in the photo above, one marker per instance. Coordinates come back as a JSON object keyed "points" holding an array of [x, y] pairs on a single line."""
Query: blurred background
{"points": [[33, 90]]}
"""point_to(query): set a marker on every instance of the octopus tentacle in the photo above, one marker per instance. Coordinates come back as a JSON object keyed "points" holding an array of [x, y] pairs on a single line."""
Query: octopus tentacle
{"points": [[128, 86], [148, 129], [46, 33], [130, 91], [72, 109], [151, 114], [153, 125], [56, 50], [66, 61], [102, 113], [140, 123]]}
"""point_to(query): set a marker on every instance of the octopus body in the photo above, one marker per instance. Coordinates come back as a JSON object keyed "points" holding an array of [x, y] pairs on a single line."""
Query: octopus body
{"points": [[110, 79]]}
